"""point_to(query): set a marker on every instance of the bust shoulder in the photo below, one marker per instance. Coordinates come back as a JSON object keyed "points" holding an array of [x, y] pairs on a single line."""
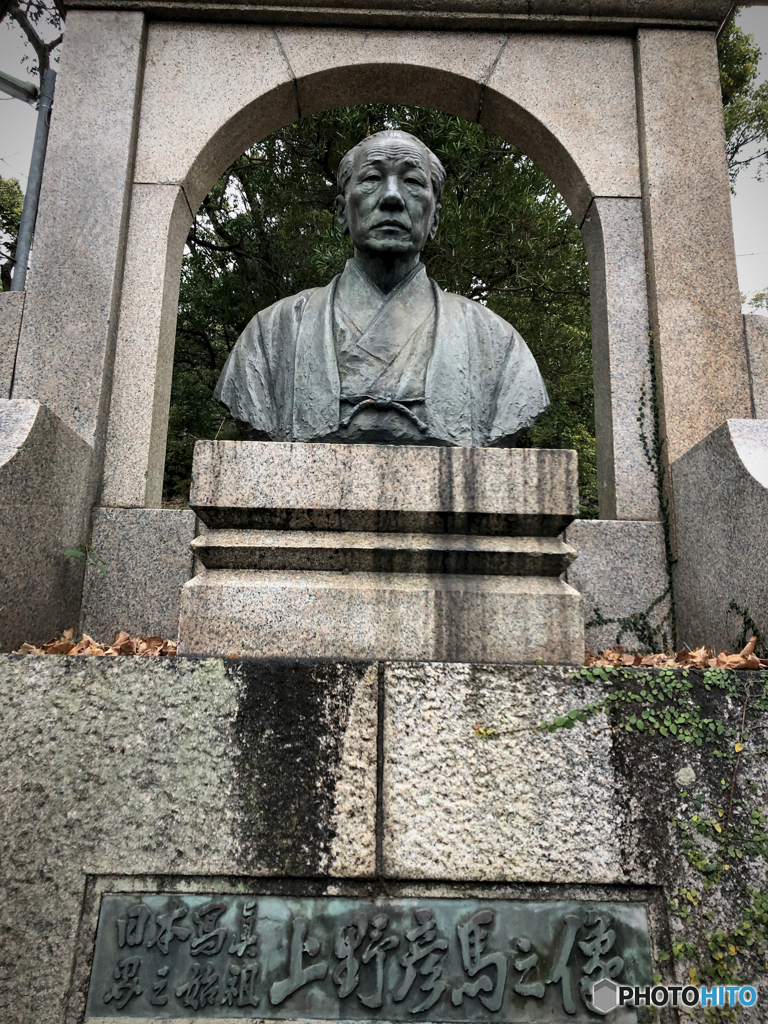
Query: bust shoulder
{"points": [[291, 305], [477, 315]]}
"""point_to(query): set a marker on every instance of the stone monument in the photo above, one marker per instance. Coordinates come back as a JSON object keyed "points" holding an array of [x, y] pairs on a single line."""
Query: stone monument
{"points": [[369, 552], [309, 838]]}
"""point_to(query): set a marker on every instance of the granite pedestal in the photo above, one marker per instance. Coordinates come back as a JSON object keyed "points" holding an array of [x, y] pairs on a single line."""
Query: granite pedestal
{"points": [[373, 551]]}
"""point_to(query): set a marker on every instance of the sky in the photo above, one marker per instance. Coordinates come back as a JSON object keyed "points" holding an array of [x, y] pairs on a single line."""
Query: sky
{"points": [[750, 204]]}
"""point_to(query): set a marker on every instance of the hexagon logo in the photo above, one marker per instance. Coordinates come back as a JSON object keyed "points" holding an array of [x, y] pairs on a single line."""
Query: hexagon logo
{"points": [[605, 996]]}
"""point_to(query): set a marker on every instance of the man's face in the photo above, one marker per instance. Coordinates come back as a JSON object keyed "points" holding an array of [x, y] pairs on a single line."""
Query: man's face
{"points": [[389, 207]]}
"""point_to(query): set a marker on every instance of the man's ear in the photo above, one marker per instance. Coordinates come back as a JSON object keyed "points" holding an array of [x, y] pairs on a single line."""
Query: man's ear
{"points": [[435, 221], [341, 214]]}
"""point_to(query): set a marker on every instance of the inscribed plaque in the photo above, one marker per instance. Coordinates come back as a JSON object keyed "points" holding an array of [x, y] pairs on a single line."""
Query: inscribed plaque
{"points": [[333, 958]]}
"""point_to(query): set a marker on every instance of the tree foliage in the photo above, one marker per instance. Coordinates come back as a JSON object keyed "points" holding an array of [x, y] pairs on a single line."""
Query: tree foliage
{"points": [[745, 104], [11, 202], [268, 229]]}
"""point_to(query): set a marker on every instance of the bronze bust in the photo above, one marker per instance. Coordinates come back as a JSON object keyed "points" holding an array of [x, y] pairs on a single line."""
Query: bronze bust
{"points": [[381, 354]]}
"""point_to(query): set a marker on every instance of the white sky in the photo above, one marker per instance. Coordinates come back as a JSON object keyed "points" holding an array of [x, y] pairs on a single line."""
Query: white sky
{"points": [[750, 204]]}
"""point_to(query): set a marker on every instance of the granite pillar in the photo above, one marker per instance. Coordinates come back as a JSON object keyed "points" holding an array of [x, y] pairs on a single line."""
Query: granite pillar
{"points": [[134, 458], [73, 287], [613, 237], [701, 362], [64, 357]]}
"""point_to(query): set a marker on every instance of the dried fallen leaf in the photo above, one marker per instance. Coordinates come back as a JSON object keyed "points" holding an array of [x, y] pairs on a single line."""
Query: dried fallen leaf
{"points": [[750, 648], [703, 657], [123, 644]]}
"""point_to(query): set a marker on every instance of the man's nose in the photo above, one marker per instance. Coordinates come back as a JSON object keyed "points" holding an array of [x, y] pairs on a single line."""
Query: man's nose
{"points": [[392, 199]]}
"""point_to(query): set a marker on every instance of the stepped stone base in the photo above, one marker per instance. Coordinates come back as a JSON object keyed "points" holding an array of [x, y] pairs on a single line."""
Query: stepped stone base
{"points": [[397, 616], [382, 552]]}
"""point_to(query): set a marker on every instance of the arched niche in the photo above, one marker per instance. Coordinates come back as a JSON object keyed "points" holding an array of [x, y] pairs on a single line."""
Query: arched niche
{"points": [[210, 92]]}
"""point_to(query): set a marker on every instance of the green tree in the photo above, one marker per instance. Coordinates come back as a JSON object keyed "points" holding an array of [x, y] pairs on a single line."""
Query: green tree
{"points": [[11, 202], [745, 104], [267, 230]]}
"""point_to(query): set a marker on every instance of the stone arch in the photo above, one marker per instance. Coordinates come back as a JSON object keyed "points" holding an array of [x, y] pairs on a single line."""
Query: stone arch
{"points": [[567, 101]]}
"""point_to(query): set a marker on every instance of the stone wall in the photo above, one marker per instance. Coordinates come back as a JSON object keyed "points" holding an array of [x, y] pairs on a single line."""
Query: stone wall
{"points": [[292, 776]]}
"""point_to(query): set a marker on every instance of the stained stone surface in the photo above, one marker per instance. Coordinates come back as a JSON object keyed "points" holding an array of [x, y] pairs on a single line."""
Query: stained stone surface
{"points": [[11, 308], [613, 237], [143, 766], [721, 506], [756, 336], [381, 615], [621, 573], [267, 485], [459, 807], [515, 15], [43, 492], [382, 552], [144, 560], [228, 775]]}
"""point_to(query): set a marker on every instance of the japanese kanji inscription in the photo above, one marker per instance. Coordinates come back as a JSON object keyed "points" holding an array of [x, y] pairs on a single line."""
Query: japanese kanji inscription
{"points": [[332, 958]]}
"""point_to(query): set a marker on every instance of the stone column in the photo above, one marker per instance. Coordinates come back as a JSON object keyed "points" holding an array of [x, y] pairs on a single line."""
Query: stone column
{"points": [[67, 335], [613, 236], [695, 308]]}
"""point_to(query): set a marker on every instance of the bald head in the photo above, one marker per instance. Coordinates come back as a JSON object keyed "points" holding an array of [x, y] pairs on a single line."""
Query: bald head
{"points": [[397, 141]]}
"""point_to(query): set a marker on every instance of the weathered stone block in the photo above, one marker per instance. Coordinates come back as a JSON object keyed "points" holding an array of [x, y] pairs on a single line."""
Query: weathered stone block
{"points": [[434, 69], [382, 615], [569, 102], [246, 92], [219, 775], [44, 469], [141, 560], [515, 15], [280, 485], [721, 507], [456, 806], [622, 575]]}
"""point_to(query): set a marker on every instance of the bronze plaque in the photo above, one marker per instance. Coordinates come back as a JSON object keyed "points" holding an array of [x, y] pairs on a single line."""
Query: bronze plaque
{"points": [[391, 959]]}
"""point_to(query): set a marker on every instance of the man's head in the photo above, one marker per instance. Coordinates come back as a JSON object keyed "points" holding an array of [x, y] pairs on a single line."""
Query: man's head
{"points": [[390, 186]]}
